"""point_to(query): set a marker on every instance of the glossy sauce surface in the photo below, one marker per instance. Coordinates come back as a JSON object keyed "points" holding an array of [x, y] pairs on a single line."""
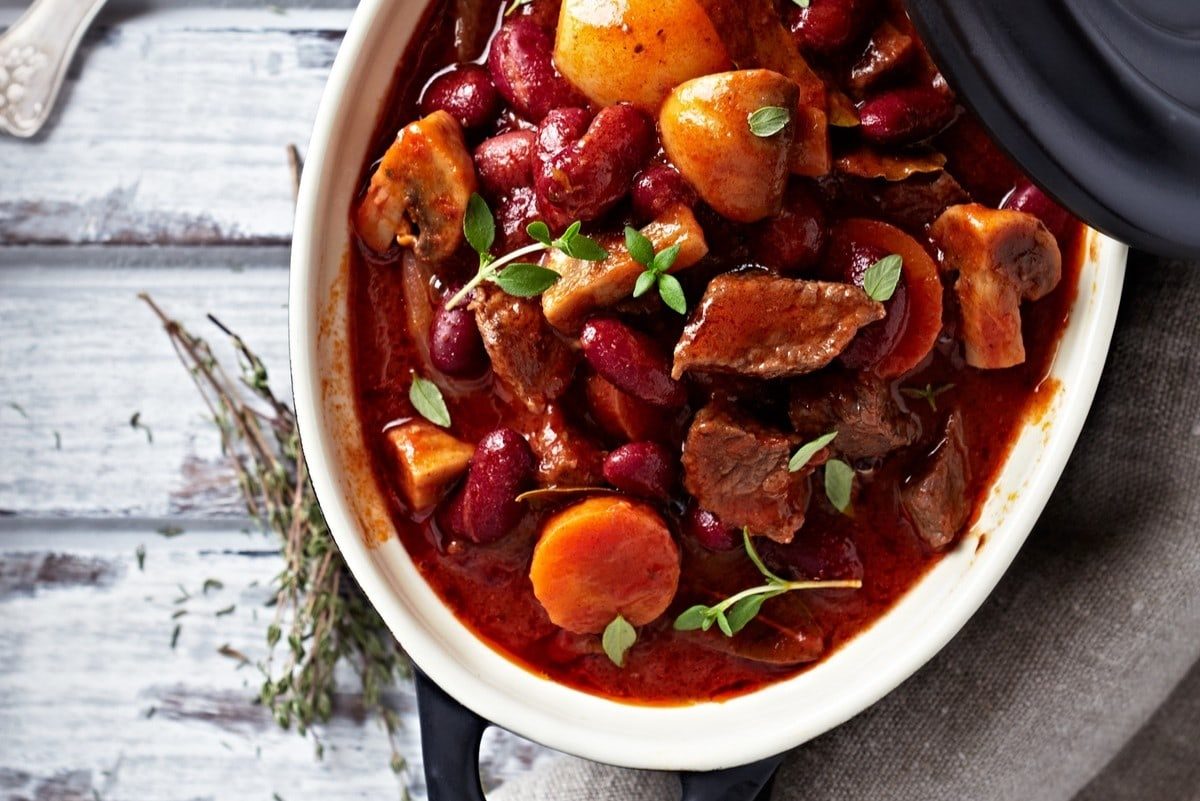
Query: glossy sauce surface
{"points": [[488, 586]]}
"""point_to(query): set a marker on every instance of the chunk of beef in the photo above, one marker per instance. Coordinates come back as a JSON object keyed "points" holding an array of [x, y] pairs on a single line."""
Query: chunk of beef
{"points": [[566, 456], [936, 501], [761, 325], [532, 361], [1002, 257], [911, 204], [860, 407], [738, 469]]}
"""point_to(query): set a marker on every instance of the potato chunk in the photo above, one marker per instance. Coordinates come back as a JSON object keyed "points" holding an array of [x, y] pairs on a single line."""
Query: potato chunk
{"points": [[706, 133], [635, 50], [586, 286], [1002, 257], [428, 460]]}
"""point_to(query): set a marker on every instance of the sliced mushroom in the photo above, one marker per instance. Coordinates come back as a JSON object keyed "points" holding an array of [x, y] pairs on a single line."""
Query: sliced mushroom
{"points": [[418, 195], [1002, 257]]}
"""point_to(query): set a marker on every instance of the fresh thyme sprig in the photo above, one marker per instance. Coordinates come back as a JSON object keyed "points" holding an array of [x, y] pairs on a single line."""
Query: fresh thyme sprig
{"points": [[735, 612], [320, 614], [929, 394], [657, 264], [522, 279]]}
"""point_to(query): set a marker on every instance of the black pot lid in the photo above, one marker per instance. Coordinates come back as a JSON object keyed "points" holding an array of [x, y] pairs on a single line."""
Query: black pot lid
{"points": [[1098, 100]]}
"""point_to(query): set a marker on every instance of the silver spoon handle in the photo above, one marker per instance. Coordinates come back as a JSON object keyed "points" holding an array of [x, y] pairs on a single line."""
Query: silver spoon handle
{"points": [[34, 55]]}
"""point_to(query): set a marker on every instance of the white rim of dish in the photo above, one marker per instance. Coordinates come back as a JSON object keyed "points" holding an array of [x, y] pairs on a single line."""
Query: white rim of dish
{"points": [[700, 736]]}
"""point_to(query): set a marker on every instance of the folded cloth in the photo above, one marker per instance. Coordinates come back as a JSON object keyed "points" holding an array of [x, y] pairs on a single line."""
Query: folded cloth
{"points": [[1063, 686]]}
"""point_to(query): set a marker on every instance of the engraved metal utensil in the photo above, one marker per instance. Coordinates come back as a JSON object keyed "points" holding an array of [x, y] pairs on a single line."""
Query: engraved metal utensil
{"points": [[34, 55]]}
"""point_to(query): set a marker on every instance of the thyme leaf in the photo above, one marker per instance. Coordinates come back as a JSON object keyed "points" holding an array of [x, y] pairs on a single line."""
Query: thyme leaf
{"points": [[619, 637]]}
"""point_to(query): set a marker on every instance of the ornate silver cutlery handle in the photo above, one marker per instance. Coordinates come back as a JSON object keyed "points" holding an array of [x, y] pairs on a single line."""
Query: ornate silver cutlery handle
{"points": [[34, 55]]}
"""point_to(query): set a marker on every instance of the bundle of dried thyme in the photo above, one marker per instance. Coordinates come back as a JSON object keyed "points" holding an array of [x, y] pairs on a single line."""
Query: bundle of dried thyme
{"points": [[321, 618]]}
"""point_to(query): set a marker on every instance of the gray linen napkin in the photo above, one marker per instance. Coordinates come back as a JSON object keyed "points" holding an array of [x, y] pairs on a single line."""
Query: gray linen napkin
{"points": [[1080, 677]]}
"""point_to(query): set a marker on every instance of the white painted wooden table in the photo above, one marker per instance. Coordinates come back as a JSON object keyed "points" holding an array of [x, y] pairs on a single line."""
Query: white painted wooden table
{"points": [[164, 170]]}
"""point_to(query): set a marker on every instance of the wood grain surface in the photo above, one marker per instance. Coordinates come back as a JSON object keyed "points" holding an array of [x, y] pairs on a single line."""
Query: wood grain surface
{"points": [[164, 170]]}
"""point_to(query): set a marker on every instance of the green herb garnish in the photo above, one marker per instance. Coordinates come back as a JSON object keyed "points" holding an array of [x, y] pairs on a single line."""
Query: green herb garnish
{"points": [[768, 120], [135, 422], [928, 394], [881, 278], [522, 279], [839, 480], [734, 613], [427, 399], [619, 637], [641, 250], [801, 3], [515, 4], [808, 450]]}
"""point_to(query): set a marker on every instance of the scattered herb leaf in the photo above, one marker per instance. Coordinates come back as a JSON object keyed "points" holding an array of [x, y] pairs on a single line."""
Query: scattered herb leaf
{"points": [[178, 613], [228, 610], [881, 278], [19, 409], [735, 612], [140, 553], [839, 480], [525, 280], [211, 584], [929, 394], [801, 3], [170, 531], [57, 440], [175, 636], [479, 228], [427, 399], [515, 4], [768, 120], [808, 450], [619, 637], [641, 250]]}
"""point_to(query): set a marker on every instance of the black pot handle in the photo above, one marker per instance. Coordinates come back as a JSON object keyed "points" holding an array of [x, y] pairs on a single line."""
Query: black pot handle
{"points": [[450, 736]]}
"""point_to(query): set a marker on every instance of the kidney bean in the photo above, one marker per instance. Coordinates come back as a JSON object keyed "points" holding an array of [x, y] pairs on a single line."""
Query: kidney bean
{"points": [[504, 163], [1031, 200], [827, 26], [522, 67], [707, 529], [466, 93], [455, 346], [815, 554], [642, 468], [514, 213], [631, 361], [561, 127], [486, 508], [904, 116], [793, 240], [656, 189], [588, 176]]}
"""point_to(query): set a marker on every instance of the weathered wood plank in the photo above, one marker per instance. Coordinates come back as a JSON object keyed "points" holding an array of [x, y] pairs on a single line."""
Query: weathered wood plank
{"points": [[95, 703], [79, 355], [172, 128]]}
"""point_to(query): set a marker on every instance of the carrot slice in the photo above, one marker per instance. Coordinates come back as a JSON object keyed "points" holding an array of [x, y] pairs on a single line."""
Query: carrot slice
{"points": [[601, 558], [922, 284]]}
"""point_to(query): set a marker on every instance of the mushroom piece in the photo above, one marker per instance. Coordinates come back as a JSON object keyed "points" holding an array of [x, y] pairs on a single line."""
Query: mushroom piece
{"points": [[707, 134], [1002, 257], [418, 195]]}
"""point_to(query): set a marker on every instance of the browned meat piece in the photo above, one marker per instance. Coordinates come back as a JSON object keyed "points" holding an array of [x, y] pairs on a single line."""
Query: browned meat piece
{"points": [[761, 325], [526, 354], [888, 49], [936, 502], [1002, 257], [737, 469], [859, 407], [566, 456], [911, 204]]}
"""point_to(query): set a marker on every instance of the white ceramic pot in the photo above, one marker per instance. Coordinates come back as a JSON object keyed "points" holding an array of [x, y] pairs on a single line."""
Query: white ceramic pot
{"points": [[702, 736]]}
